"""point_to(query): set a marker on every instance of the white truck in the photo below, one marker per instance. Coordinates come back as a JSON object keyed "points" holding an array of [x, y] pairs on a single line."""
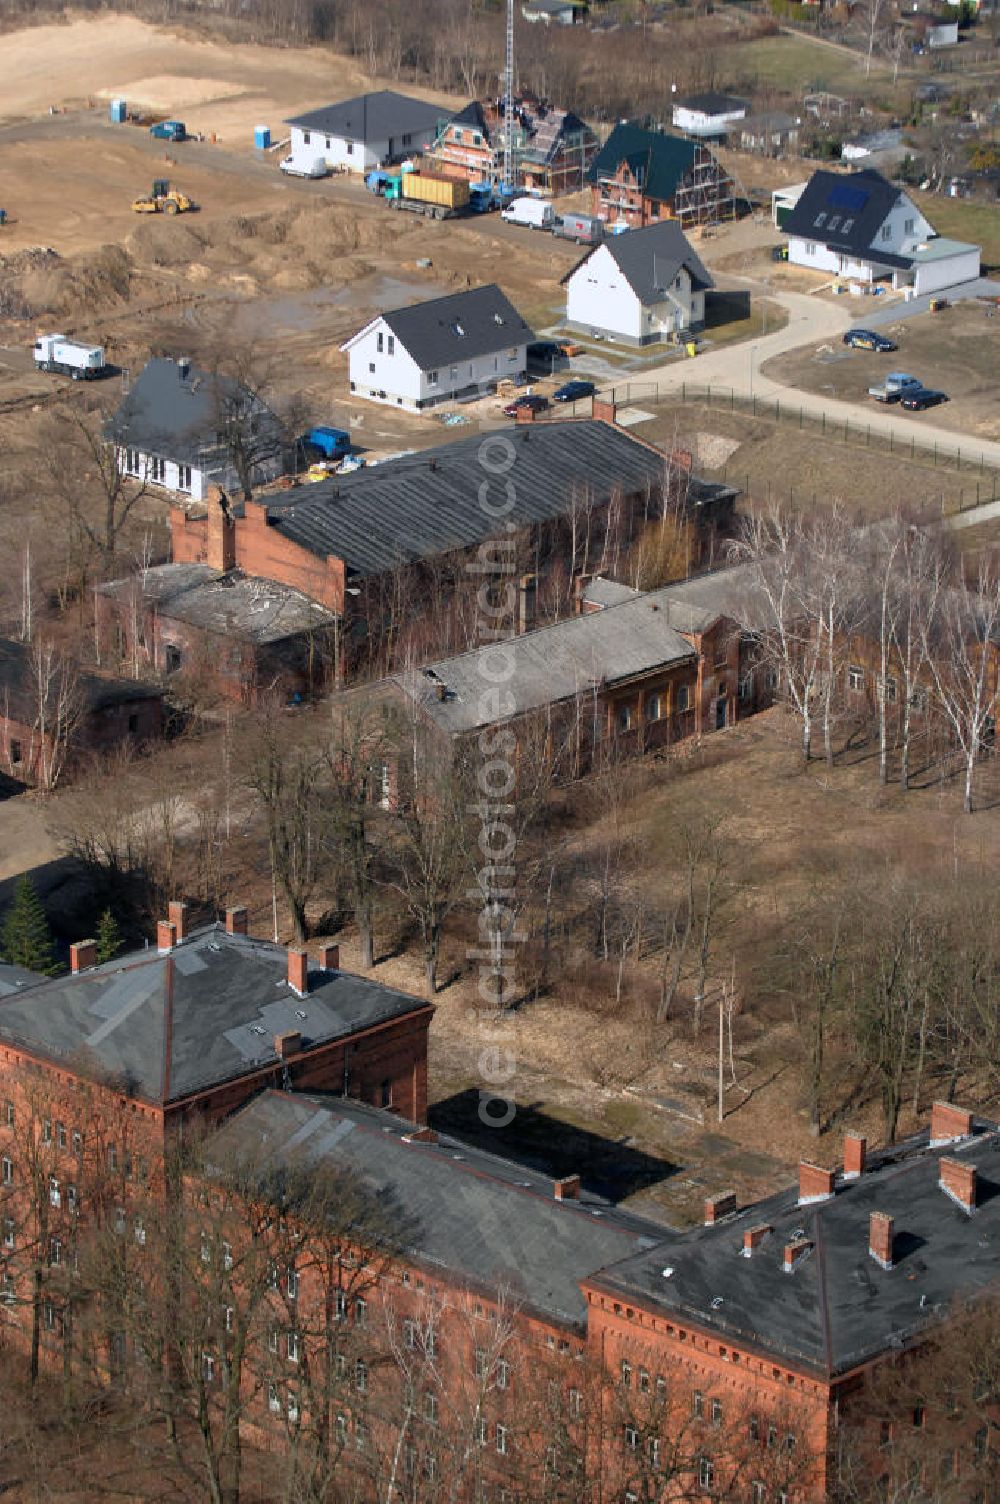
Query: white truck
{"points": [[54, 352], [536, 213]]}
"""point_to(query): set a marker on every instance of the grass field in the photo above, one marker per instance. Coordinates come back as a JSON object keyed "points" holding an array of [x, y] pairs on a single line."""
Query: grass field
{"points": [[961, 220], [798, 65]]}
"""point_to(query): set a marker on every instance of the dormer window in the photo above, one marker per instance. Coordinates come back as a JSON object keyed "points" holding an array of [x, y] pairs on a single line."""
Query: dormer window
{"points": [[820, 220], [848, 226], [497, 319], [458, 329], [834, 222]]}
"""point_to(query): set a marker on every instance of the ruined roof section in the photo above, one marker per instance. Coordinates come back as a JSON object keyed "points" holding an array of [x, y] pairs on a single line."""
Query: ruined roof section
{"points": [[218, 999], [232, 605], [480, 1219]]}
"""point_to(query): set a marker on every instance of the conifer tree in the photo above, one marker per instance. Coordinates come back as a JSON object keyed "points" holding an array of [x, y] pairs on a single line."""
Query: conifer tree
{"points": [[109, 937], [26, 937]]}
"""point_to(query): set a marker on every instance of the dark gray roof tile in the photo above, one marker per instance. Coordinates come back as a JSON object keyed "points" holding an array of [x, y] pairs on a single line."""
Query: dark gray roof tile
{"points": [[372, 117]]}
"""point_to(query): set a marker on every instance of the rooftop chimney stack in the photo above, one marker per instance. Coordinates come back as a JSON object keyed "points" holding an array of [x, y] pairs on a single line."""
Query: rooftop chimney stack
{"points": [[289, 1043], [236, 921], [717, 1207], [958, 1181], [880, 1226], [166, 936], [815, 1183], [949, 1123], [795, 1251], [329, 958], [855, 1153], [82, 954], [220, 551], [298, 971], [753, 1237], [567, 1189], [177, 913]]}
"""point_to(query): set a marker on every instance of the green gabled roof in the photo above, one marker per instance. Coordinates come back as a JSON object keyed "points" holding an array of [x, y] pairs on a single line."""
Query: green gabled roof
{"points": [[664, 159]]}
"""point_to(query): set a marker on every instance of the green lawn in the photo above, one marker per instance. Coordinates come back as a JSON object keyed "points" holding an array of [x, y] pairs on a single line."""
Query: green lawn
{"points": [[978, 223], [798, 65]]}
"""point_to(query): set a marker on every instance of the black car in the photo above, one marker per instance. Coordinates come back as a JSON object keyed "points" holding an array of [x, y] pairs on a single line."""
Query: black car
{"points": [[924, 396], [866, 339], [531, 400], [573, 391]]}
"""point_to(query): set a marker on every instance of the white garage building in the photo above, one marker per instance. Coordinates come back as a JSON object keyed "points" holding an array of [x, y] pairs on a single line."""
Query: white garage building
{"points": [[359, 134], [863, 228]]}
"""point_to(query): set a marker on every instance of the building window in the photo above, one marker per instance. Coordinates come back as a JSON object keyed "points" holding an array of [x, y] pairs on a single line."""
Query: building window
{"points": [[757, 1493], [306, 138], [410, 1334], [430, 1408], [631, 1437], [502, 1440], [683, 698], [706, 1472], [292, 1347], [61, 1135], [361, 1376], [624, 718], [9, 1116], [575, 1403], [7, 1171], [746, 687], [292, 1284], [49, 1312], [350, 148], [772, 1437], [293, 1407], [503, 1374], [891, 690], [55, 1196], [654, 708], [887, 231], [8, 1232], [654, 1453], [391, 345], [698, 1404], [379, 344], [157, 469], [77, 1144], [432, 378], [909, 226], [371, 368], [716, 1412], [643, 1381], [47, 1131], [855, 679], [626, 1374], [7, 1294], [183, 477], [272, 1340], [360, 1310], [208, 1368], [171, 658], [273, 1400], [55, 1251]]}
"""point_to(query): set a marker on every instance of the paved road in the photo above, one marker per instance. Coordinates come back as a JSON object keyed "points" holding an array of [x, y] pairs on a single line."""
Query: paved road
{"points": [[815, 321]]}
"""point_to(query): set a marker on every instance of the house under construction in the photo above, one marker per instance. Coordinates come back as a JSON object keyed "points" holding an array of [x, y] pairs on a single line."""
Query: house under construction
{"points": [[550, 150], [640, 177]]}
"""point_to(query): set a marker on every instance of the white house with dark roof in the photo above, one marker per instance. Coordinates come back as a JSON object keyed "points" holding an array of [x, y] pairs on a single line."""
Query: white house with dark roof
{"points": [[638, 287], [710, 115], [457, 346], [862, 227], [359, 134], [179, 427]]}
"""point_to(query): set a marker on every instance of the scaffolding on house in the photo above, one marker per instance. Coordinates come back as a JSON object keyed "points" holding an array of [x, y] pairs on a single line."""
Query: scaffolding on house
{"points": [[707, 194]]}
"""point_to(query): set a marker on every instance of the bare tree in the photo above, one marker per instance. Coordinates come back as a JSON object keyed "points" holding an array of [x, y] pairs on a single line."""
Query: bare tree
{"points": [[961, 654], [57, 709], [285, 776]]}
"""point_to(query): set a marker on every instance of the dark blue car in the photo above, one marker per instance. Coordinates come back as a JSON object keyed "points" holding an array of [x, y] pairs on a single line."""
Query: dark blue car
{"points": [[573, 391]]}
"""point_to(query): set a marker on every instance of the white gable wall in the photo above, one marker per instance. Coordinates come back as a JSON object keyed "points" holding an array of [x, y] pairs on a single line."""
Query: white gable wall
{"points": [[903, 228], [599, 298], [345, 154]]}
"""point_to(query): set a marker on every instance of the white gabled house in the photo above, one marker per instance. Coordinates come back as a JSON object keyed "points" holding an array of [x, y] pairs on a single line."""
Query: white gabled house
{"points": [[457, 346], [638, 287], [862, 227], [709, 115], [183, 429], [359, 134]]}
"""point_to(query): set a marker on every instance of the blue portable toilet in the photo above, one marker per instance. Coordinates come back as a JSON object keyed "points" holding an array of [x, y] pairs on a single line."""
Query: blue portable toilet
{"points": [[117, 112], [262, 137]]}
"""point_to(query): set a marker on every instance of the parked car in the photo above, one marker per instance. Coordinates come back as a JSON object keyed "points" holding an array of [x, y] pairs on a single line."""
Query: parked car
{"points": [[573, 391], [315, 169], [528, 400], [867, 339], [895, 386], [168, 130], [924, 396]]}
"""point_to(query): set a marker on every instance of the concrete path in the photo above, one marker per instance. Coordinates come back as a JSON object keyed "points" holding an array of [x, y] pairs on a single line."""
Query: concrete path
{"points": [[811, 321]]}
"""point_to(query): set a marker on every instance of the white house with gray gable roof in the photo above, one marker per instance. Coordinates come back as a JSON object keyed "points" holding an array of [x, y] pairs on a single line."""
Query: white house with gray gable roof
{"points": [[359, 134], [439, 351], [638, 287]]}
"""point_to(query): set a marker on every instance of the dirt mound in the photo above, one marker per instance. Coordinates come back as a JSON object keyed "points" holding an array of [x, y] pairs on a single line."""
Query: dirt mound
{"points": [[162, 242], [45, 283]]}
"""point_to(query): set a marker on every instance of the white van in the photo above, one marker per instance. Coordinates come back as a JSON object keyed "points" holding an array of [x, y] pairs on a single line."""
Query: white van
{"points": [[536, 213], [317, 168]]}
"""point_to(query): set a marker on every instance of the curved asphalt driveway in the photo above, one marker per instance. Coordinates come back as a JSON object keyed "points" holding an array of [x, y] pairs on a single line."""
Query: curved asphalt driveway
{"points": [[815, 321]]}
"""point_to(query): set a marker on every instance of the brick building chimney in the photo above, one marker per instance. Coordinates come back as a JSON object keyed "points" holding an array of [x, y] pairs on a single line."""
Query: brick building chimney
{"points": [[287, 1044], [567, 1189], [717, 1207], [236, 921], [815, 1183], [949, 1123], [753, 1237], [166, 936], [855, 1150], [958, 1181], [298, 971], [329, 958], [82, 954], [177, 913], [220, 532], [603, 409], [880, 1226], [795, 1251]]}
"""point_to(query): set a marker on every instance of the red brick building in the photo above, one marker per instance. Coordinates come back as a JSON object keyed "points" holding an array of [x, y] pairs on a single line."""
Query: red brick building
{"points": [[553, 149], [640, 177]]}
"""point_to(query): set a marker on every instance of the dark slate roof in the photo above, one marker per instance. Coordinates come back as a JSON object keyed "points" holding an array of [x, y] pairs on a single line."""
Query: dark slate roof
{"points": [[15, 979], [837, 1308], [552, 664], [483, 1220], [649, 259], [234, 604], [174, 414], [711, 103], [427, 503], [859, 201], [94, 692], [663, 159], [372, 117], [460, 326], [216, 1002]]}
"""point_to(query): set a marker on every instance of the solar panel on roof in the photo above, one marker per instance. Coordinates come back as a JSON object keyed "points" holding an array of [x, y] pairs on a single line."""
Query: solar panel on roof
{"points": [[846, 197]]}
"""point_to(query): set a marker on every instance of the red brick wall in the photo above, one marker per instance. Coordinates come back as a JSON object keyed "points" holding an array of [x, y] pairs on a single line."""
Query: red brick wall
{"points": [[100, 731], [262, 550]]}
